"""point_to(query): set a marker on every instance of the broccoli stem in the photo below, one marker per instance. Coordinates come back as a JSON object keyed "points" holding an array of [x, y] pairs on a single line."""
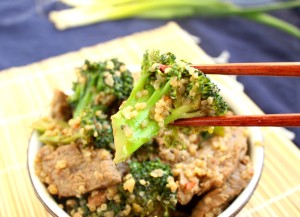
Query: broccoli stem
{"points": [[47, 124], [181, 112], [58, 139], [83, 103], [158, 94], [138, 86], [126, 145], [89, 95]]}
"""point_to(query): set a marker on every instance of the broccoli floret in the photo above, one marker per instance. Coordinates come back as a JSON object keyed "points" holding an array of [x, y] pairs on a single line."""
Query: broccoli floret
{"points": [[148, 189], [100, 85], [96, 129], [167, 90], [89, 128], [152, 192]]}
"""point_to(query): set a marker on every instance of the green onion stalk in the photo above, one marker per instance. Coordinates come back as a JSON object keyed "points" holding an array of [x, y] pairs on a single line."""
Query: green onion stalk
{"points": [[88, 12]]}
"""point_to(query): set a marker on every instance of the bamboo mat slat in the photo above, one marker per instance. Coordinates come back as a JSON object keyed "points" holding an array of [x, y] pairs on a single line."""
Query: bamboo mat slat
{"points": [[26, 92]]}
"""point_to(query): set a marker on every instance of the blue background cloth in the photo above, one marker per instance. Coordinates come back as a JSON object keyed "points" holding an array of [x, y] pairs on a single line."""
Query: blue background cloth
{"points": [[26, 36]]}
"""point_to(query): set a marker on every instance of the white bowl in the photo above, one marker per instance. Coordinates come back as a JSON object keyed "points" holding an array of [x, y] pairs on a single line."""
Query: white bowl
{"points": [[256, 151]]}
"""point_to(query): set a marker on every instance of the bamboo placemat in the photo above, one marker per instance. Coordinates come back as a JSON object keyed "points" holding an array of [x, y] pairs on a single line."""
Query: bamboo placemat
{"points": [[26, 92]]}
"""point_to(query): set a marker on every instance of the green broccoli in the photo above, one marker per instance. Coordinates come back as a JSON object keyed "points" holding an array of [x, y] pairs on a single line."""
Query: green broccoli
{"points": [[154, 187], [149, 188], [100, 88], [89, 128], [167, 90], [95, 129], [100, 85]]}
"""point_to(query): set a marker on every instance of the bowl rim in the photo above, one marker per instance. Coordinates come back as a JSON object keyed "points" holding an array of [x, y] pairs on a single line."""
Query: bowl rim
{"points": [[257, 157], [39, 188]]}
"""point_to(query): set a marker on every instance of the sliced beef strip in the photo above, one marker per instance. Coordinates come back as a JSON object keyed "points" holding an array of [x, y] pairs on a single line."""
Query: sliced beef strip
{"points": [[74, 172], [213, 202], [223, 161], [60, 108], [200, 169]]}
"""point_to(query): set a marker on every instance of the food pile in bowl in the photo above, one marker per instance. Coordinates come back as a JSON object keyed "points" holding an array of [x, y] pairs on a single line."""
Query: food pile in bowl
{"points": [[109, 148]]}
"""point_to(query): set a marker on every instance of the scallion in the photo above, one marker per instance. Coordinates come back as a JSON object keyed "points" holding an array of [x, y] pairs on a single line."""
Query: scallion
{"points": [[88, 12]]}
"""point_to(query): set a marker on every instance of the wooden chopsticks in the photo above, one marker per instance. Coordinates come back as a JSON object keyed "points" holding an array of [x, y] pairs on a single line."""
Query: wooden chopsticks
{"points": [[264, 69], [275, 120], [260, 69]]}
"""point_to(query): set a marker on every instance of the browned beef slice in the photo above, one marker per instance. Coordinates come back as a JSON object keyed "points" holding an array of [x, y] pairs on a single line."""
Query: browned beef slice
{"points": [[74, 172], [61, 109], [223, 160], [203, 168], [213, 202]]}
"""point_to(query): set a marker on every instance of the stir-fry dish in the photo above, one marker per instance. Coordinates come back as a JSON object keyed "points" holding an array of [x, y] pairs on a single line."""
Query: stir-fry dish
{"points": [[110, 149]]}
